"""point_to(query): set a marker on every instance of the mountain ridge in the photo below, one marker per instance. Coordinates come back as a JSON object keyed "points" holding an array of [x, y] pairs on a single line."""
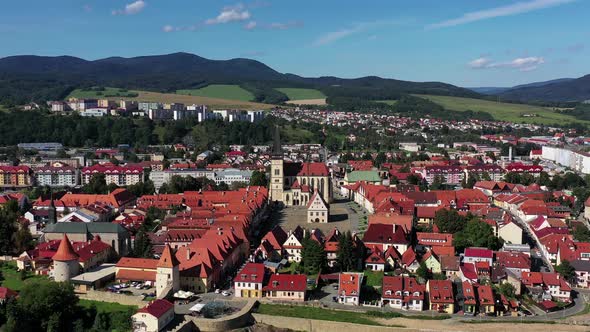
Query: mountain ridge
{"points": [[181, 70]]}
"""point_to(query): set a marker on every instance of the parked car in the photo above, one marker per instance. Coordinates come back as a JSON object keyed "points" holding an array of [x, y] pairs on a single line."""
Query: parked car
{"points": [[217, 291], [225, 293]]}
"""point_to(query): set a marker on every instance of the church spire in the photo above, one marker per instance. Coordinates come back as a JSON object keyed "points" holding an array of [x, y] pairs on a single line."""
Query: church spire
{"points": [[52, 215], [277, 150]]}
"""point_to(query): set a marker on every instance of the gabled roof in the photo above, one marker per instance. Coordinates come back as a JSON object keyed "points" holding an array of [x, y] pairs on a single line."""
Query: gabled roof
{"points": [[251, 272], [479, 252], [350, 284], [287, 282], [157, 308], [390, 234]]}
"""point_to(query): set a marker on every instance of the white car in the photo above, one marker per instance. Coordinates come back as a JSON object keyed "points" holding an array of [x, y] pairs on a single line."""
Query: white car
{"points": [[217, 291], [225, 293]]}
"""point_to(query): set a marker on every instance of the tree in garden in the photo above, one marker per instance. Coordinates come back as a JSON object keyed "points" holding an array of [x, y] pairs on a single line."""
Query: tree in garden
{"points": [[96, 185], [313, 256], [424, 272], [258, 179], [507, 290], [346, 254], [449, 221], [142, 247], [8, 227], [566, 270], [476, 233]]}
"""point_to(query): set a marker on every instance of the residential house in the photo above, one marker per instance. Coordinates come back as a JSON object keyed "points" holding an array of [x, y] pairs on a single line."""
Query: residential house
{"points": [[475, 254], [293, 245], [432, 262], [485, 297], [271, 245], [403, 293], [154, 317], [441, 296], [248, 282], [552, 285], [286, 287], [380, 236], [349, 288]]}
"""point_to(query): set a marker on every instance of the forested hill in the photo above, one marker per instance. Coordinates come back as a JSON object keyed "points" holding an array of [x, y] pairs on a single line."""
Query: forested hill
{"points": [[558, 91], [37, 78]]}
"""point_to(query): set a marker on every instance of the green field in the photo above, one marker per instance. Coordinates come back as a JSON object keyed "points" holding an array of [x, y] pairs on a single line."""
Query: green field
{"points": [[503, 111], [301, 94], [106, 306], [221, 91], [11, 277], [388, 102], [106, 93], [315, 313]]}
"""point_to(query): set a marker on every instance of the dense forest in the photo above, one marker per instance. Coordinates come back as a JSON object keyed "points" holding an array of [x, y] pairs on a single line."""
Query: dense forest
{"points": [[76, 131]]}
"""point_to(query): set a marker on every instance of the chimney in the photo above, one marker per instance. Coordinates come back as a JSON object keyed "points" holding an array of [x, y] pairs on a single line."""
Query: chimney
{"points": [[188, 253]]}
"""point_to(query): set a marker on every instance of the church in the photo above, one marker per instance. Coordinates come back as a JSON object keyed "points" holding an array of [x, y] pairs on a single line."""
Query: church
{"points": [[293, 184]]}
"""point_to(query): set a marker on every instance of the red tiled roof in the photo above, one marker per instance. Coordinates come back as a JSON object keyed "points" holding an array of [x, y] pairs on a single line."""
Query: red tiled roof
{"points": [[6, 293], [65, 252], [441, 291], [138, 263], [136, 275], [157, 308], [287, 282], [350, 283], [479, 252], [251, 272]]}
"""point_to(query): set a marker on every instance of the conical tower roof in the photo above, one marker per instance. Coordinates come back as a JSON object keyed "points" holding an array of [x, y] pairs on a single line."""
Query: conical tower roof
{"points": [[167, 259], [65, 252]]}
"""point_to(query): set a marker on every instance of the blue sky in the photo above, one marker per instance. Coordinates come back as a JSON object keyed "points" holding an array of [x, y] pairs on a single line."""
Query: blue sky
{"points": [[463, 42]]}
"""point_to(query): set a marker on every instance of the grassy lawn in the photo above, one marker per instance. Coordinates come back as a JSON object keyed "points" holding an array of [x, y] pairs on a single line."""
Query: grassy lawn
{"points": [[291, 269], [106, 306], [222, 91], [374, 278], [11, 278], [503, 111], [106, 93], [316, 313], [293, 134], [138, 95], [299, 94], [388, 102]]}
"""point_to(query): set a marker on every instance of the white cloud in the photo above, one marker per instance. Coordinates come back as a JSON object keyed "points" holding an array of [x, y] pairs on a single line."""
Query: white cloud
{"points": [[334, 36], [284, 26], [479, 63], [509, 10], [229, 14], [250, 25], [331, 37], [521, 64], [168, 28], [131, 9]]}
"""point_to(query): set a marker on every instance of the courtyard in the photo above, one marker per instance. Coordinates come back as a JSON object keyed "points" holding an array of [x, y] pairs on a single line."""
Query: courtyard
{"points": [[342, 216]]}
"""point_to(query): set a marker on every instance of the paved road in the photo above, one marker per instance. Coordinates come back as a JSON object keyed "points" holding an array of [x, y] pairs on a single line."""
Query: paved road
{"points": [[536, 246]]}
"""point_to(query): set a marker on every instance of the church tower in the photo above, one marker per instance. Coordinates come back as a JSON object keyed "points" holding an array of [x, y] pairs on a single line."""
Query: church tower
{"points": [[167, 273], [276, 169]]}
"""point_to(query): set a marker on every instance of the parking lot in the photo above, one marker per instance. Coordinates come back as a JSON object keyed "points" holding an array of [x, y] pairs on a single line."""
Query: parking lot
{"points": [[132, 289]]}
